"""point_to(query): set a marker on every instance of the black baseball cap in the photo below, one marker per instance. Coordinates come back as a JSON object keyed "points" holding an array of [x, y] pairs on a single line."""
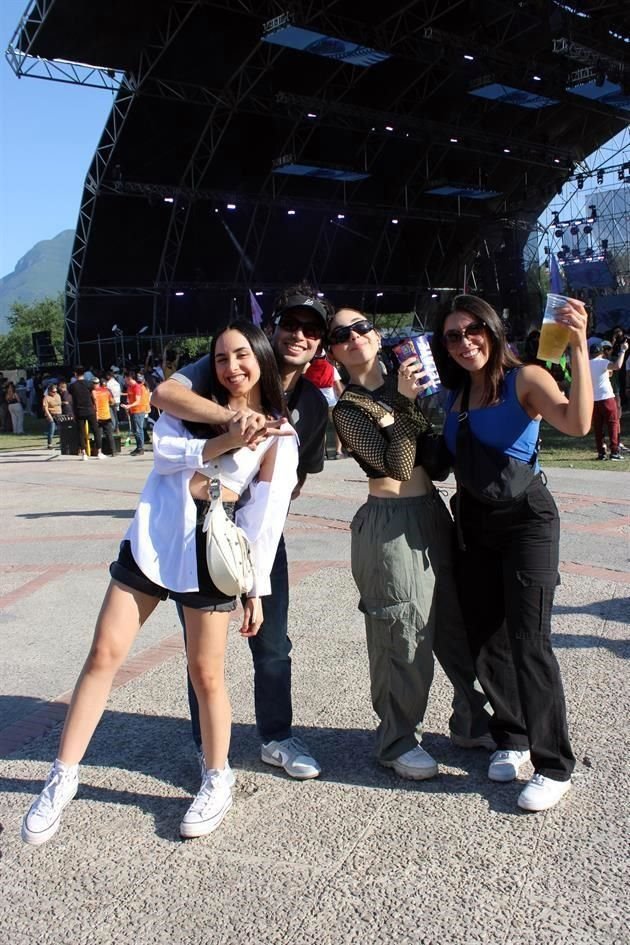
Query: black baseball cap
{"points": [[302, 301]]}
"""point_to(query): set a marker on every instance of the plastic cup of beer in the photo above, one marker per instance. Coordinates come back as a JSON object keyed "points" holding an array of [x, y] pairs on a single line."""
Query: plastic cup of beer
{"points": [[554, 336]]}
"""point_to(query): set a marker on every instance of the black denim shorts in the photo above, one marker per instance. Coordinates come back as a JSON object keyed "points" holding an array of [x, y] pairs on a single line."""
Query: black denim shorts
{"points": [[125, 571]]}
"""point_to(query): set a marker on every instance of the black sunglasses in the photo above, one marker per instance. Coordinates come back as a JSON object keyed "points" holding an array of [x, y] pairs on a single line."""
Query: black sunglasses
{"points": [[309, 329], [455, 337], [342, 334]]}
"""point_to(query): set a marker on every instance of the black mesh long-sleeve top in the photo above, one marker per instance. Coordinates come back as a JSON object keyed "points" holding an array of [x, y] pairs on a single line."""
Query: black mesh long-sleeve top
{"points": [[363, 420]]}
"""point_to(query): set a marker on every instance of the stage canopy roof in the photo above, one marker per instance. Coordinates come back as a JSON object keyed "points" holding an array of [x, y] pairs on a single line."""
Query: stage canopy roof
{"points": [[386, 153]]}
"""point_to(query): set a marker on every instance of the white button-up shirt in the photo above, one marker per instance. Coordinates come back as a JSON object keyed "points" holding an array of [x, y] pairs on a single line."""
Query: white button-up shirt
{"points": [[162, 533]]}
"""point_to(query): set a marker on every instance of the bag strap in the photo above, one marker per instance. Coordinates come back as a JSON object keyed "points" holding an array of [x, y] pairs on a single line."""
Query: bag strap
{"points": [[214, 488], [463, 426]]}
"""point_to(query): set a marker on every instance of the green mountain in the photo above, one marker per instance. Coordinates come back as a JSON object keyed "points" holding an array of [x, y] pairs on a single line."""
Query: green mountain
{"points": [[39, 273]]}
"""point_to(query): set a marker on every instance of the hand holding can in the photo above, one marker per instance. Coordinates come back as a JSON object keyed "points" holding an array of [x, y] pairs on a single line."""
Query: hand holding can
{"points": [[428, 378]]}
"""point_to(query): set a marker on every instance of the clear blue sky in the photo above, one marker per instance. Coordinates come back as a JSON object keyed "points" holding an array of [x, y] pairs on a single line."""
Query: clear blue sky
{"points": [[48, 133]]}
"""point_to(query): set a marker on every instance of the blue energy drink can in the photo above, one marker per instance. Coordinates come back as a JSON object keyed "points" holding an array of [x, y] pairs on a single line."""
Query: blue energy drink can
{"points": [[420, 348]]}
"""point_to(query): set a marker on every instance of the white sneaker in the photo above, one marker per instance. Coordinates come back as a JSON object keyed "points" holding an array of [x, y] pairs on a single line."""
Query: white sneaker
{"points": [[209, 807], [416, 764], [101, 456], [292, 755], [504, 765], [44, 816], [541, 793], [84, 457]]}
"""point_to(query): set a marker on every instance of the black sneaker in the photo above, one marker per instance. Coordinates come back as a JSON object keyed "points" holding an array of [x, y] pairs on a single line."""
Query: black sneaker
{"points": [[615, 456], [137, 452], [599, 455]]}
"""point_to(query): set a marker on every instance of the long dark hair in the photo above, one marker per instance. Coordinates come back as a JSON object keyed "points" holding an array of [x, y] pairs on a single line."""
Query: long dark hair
{"points": [[271, 394], [500, 357]]}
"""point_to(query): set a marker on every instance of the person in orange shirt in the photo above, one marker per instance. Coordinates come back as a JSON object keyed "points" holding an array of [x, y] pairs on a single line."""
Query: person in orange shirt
{"points": [[103, 399], [137, 406]]}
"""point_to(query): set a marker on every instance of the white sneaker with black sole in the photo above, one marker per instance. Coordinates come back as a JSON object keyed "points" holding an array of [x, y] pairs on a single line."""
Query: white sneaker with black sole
{"points": [[44, 815], [292, 755], [209, 807]]}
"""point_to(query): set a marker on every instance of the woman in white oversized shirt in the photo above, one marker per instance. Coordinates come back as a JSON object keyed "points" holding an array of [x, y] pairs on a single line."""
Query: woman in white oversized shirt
{"points": [[162, 556]]}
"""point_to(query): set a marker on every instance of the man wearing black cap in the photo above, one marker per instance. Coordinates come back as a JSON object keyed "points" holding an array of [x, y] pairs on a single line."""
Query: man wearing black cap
{"points": [[299, 323]]}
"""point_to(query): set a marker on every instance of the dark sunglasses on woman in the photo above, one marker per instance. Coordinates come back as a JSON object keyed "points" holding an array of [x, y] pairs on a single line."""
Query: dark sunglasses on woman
{"points": [[342, 334], [455, 337]]}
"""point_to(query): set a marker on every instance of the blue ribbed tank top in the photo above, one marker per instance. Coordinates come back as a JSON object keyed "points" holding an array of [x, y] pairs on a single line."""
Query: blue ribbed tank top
{"points": [[506, 425]]}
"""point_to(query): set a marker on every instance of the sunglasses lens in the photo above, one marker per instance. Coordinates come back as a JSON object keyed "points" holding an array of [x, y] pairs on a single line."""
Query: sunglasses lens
{"points": [[309, 331], [452, 338], [340, 335]]}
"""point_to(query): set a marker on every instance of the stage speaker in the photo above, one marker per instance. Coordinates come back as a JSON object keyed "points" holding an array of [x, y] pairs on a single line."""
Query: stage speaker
{"points": [[43, 348]]}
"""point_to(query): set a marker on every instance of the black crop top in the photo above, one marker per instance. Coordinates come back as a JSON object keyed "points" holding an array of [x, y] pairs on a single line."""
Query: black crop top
{"points": [[362, 419]]}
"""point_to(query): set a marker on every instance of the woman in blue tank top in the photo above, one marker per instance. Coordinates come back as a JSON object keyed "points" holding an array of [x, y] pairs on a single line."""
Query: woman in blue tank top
{"points": [[507, 566]]}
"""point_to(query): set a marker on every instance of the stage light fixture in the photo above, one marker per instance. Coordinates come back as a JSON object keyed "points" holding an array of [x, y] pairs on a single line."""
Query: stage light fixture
{"points": [[506, 150], [575, 253], [580, 181], [604, 244], [281, 31], [574, 231], [555, 218], [600, 177], [547, 250], [537, 78], [593, 210], [558, 232], [620, 174], [231, 206], [179, 293], [560, 254], [290, 213], [454, 140], [566, 249], [468, 57], [395, 220], [587, 229], [379, 295]]}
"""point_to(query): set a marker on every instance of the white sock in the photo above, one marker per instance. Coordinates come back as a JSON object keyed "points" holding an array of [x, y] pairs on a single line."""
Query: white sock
{"points": [[63, 767]]}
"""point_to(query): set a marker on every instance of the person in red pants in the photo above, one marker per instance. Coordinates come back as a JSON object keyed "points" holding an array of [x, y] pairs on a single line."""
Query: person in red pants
{"points": [[604, 404]]}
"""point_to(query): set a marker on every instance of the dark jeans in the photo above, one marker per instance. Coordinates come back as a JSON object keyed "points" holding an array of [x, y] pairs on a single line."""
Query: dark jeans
{"points": [[51, 429], [506, 579], [270, 650], [136, 424], [107, 431], [94, 427]]}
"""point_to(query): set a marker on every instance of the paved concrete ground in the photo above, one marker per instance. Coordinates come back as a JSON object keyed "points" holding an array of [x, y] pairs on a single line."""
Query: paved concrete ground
{"points": [[356, 856]]}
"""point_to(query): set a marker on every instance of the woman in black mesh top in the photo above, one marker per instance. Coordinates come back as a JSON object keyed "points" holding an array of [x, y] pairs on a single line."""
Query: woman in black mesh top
{"points": [[401, 556]]}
